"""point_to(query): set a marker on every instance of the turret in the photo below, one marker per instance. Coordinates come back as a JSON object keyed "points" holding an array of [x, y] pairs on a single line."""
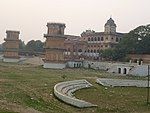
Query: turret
{"points": [[110, 26]]}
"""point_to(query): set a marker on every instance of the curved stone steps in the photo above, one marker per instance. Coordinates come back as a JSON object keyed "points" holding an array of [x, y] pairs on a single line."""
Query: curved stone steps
{"points": [[64, 91]]}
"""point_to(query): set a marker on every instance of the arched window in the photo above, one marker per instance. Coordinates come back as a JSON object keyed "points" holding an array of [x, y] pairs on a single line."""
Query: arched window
{"points": [[74, 65], [94, 51], [88, 39], [95, 39], [92, 39], [102, 39], [98, 38], [77, 65], [125, 71], [119, 70]]}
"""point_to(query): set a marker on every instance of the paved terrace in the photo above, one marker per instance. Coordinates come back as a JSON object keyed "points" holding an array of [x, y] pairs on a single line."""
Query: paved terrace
{"points": [[121, 82]]}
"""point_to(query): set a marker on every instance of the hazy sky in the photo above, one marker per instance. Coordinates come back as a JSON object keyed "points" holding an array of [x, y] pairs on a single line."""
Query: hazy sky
{"points": [[31, 16]]}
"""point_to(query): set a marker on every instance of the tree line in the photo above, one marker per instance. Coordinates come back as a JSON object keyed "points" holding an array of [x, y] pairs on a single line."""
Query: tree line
{"points": [[137, 41], [33, 47]]}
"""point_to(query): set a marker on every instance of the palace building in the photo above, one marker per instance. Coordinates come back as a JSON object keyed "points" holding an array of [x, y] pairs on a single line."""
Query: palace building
{"points": [[97, 41], [11, 46], [63, 50]]}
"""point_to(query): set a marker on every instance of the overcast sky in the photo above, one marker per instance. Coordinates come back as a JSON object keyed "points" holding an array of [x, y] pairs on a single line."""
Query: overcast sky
{"points": [[31, 16]]}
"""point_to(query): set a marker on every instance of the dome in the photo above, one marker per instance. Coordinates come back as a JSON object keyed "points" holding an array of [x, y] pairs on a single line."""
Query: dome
{"points": [[110, 22]]}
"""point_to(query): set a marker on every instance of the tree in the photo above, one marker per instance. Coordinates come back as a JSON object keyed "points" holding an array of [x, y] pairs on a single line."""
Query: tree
{"points": [[113, 54], [21, 45], [34, 46], [1, 48], [39, 46], [132, 44], [136, 41]]}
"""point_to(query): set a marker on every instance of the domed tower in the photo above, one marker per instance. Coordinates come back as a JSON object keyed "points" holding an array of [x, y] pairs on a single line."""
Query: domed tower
{"points": [[110, 26]]}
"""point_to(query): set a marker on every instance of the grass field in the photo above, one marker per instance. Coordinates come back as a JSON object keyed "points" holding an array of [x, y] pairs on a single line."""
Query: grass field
{"points": [[29, 89]]}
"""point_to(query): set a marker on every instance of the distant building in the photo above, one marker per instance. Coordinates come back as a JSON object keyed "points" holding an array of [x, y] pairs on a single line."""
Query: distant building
{"points": [[97, 41], [69, 50], [11, 46], [74, 48]]}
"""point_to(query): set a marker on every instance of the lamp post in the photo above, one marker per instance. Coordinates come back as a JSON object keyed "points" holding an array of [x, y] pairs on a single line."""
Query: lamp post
{"points": [[148, 85]]}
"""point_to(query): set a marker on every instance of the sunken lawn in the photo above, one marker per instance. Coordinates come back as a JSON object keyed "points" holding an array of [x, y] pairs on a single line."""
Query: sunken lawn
{"points": [[29, 89]]}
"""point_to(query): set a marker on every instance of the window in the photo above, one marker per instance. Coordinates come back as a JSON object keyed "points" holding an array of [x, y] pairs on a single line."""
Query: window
{"points": [[119, 70], [94, 45], [88, 39], [125, 71], [117, 39], [106, 38], [88, 50], [74, 65], [95, 39], [112, 38], [91, 51], [98, 39], [101, 45], [68, 49], [102, 39], [106, 45], [92, 39], [80, 50], [77, 65], [98, 51], [94, 51]]}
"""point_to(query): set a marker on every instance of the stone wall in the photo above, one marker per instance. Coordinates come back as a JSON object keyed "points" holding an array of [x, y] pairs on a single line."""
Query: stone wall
{"points": [[141, 70], [54, 65], [144, 57], [121, 82], [125, 68], [12, 60]]}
